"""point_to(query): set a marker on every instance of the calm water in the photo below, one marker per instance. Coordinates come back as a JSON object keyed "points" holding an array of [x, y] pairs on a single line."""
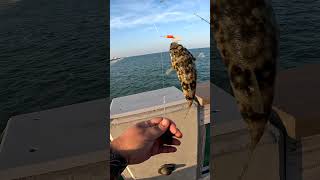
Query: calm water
{"points": [[144, 73], [52, 53]]}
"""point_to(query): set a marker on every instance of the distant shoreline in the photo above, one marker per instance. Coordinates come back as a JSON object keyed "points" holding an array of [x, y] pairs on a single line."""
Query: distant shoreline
{"points": [[162, 52]]}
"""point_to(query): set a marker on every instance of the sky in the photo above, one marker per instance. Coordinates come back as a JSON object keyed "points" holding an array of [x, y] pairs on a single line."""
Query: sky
{"points": [[136, 25]]}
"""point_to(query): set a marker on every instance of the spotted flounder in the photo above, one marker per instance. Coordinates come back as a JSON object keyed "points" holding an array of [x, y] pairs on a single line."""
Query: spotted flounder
{"points": [[184, 63], [247, 37]]}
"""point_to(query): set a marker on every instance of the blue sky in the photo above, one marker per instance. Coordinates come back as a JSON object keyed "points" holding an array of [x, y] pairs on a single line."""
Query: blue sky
{"points": [[134, 25]]}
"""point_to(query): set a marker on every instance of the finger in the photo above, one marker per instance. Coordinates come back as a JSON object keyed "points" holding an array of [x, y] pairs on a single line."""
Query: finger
{"points": [[173, 141], [154, 121], [178, 134], [173, 128], [149, 123], [168, 138], [155, 132], [175, 131], [167, 149], [157, 120]]}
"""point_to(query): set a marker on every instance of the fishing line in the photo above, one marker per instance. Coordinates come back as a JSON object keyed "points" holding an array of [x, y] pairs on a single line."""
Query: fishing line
{"points": [[202, 18], [198, 8], [164, 97]]}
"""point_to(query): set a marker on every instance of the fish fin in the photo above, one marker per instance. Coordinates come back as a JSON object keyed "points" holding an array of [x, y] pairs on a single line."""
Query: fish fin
{"points": [[196, 100], [258, 104], [188, 107], [169, 71]]}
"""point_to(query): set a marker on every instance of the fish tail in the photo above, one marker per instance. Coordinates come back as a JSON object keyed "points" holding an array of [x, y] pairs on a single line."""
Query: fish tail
{"points": [[196, 100], [256, 129], [190, 104], [255, 139], [256, 134], [189, 107], [246, 165]]}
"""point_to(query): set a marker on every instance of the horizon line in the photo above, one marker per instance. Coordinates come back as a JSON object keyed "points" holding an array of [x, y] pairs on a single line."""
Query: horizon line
{"points": [[155, 53]]}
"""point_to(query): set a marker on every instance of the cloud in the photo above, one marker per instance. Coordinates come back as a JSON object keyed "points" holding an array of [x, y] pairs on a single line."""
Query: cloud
{"points": [[165, 17], [149, 28], [126, 14], [133, 21]]}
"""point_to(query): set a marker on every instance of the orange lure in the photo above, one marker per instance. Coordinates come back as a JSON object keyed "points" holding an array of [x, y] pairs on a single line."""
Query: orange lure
{"points": [[169, 36], [174, 38]]}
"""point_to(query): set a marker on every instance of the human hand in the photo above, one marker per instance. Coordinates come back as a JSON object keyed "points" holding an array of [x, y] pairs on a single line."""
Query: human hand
{"points": [[145, 139]]}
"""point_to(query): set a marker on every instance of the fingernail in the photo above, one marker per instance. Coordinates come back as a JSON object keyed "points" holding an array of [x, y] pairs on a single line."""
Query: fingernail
{"points": [[165, 123]]}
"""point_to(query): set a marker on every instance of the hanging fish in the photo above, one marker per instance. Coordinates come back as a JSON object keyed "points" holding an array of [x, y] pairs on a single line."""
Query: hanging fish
{"points": [[184, 63], [247, 37]]}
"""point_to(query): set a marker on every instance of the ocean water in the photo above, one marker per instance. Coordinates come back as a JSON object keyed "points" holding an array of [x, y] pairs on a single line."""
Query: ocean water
{"points": [[52, 53], [148, 72]]}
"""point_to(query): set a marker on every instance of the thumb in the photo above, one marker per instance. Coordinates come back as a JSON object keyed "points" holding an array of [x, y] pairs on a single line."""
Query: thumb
{"points": [[155, 132]]}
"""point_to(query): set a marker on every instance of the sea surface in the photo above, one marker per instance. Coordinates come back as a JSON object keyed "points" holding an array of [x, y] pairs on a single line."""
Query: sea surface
{"points": [[138, 74], [54, 53]]}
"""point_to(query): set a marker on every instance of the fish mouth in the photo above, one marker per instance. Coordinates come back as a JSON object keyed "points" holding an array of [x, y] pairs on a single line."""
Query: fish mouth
{"points": [[174, 45]]}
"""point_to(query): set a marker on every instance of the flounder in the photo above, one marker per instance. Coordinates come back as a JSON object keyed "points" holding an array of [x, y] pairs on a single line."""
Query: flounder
{"points": [[247, 37]]}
